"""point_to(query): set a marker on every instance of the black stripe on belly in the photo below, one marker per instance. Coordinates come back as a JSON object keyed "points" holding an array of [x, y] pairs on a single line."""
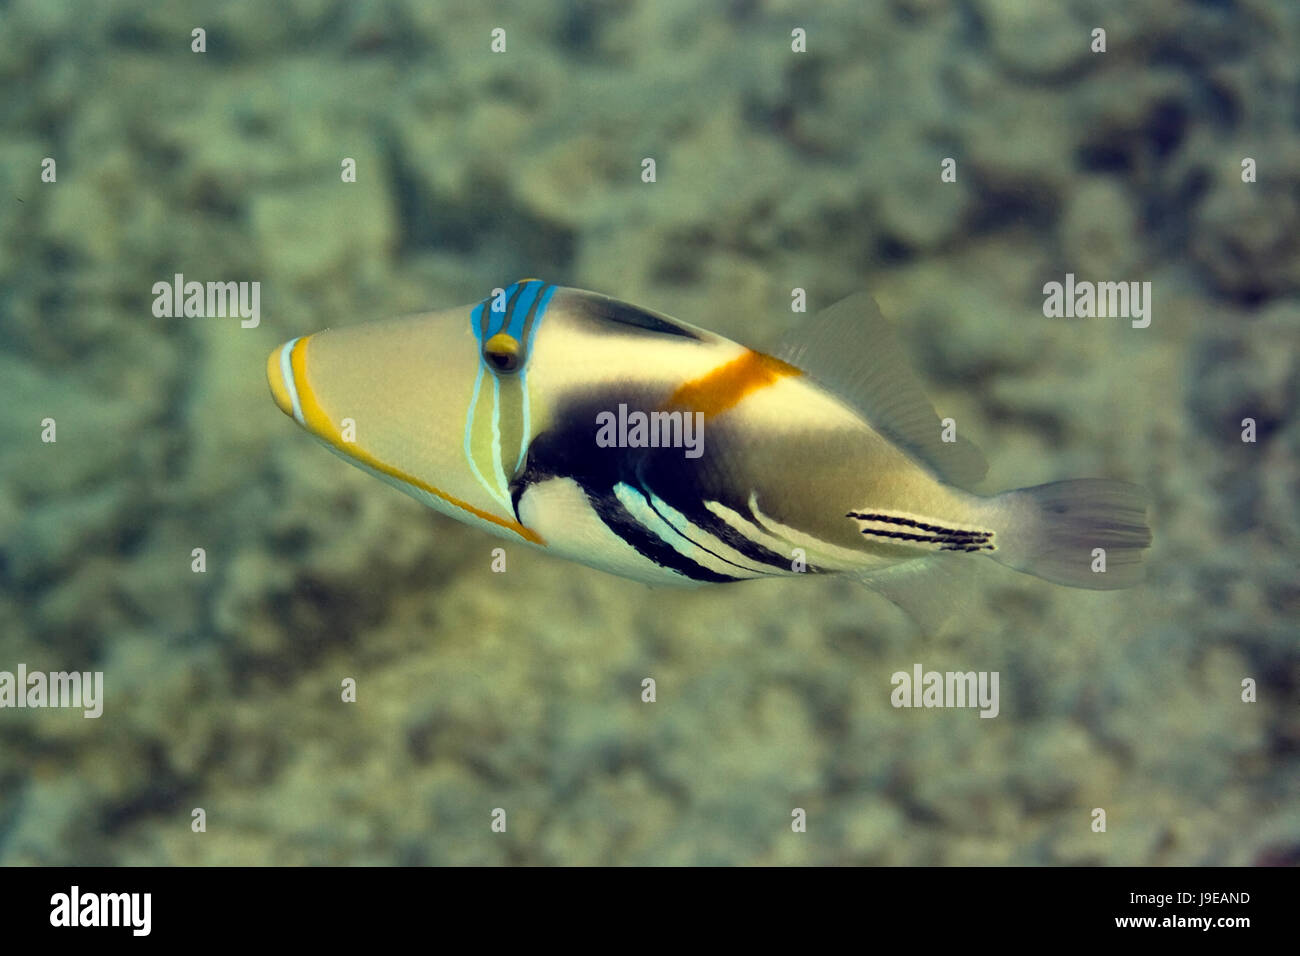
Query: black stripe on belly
{"points": [[688, 497], [648, 544], [688, 538], [746, 546], [568, 450]]}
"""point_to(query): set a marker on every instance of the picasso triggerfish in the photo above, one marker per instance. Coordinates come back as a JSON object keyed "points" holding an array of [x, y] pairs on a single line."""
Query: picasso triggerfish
{"points": [[641, 445]]}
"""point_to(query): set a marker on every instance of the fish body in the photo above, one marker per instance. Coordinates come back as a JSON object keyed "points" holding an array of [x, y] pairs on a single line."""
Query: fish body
{"points": [[650, 448]]}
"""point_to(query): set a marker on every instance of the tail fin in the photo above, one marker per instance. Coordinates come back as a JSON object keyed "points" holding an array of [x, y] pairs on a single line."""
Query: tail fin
{"points": [[1053, 531]]}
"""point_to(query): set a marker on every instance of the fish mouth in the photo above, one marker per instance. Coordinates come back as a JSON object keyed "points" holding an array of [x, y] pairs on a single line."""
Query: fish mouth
{"points": [[280, 376]]}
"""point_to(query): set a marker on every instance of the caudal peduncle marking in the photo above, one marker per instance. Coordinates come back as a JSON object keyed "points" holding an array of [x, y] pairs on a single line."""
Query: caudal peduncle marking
{"points": [[948, 539]]}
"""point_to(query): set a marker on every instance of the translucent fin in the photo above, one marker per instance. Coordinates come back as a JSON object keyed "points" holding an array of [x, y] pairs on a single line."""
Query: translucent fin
{"points": [[938, 593], [854, 352], [1052, 530]]}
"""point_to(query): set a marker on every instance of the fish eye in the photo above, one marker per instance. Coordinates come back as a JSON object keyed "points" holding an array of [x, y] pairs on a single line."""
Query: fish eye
{"points": [[502, 352]]}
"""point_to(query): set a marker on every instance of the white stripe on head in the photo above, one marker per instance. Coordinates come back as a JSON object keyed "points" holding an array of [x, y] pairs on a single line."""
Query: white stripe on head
{"points": [[500, 493], [286, 373], [503, 495]]}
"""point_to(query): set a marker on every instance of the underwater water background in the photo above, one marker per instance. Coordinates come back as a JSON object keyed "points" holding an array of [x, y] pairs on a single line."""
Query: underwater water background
{"points": [[775, 170]]}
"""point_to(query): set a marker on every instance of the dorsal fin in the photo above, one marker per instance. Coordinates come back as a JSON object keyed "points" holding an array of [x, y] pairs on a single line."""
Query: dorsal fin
{"points": [[854, 352]]}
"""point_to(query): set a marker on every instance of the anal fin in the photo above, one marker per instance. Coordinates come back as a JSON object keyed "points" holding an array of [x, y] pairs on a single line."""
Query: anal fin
{"points": [[936, 592]]}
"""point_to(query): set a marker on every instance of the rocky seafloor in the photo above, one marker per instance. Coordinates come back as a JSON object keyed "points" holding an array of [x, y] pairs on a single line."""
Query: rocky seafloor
{"points": [[775, 170]]}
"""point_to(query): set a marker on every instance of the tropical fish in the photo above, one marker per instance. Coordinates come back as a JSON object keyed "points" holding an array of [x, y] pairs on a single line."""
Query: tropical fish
{"points": [[641, 445]]}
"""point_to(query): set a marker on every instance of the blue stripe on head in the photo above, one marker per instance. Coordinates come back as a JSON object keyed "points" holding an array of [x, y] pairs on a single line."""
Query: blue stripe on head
{"points": [[516, 316], [542, 302], [487, 320], [524, 301], [503, 300], [501, 320]]}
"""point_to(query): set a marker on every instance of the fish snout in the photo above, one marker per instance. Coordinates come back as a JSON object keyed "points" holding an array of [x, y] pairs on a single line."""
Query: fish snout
{"points": [[280, 376]]}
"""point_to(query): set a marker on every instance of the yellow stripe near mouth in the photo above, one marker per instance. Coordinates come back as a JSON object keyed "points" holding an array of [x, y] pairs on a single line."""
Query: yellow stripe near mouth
{"points": [[726, 385], [315, 419], [279, 388]]}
